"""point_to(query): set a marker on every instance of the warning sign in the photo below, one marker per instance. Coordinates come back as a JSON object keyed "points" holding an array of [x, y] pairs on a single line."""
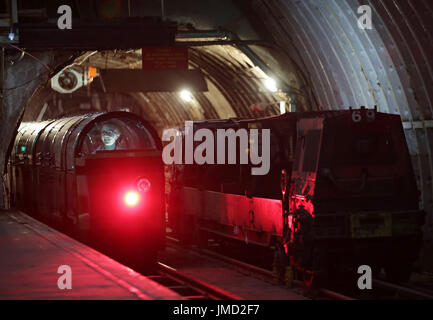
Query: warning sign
{"points": [[165, 58]]}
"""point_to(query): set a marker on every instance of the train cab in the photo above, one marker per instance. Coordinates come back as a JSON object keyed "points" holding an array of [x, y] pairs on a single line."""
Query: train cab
{"points": [[352, 194], [99, 176]]}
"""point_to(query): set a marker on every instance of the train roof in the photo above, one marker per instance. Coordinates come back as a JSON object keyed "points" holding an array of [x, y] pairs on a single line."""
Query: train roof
{"points": [[289, 117], [311, 114], [57, 140]]}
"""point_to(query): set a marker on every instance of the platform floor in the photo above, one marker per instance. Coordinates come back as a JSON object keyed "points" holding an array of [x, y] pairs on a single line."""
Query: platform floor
{"points": [[31, 253]]}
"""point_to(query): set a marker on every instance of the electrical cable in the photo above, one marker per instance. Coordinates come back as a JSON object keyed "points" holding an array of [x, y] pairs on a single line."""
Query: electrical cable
{"points": [[32, 56], [34, 79]]}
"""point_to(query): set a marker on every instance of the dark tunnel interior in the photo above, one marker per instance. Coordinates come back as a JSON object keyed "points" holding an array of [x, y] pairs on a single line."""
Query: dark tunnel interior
{"points": [[228, 59]]}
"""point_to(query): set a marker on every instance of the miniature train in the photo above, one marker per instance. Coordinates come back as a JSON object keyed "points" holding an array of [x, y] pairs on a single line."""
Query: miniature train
{"points": [[98, 176], [340, 193]]}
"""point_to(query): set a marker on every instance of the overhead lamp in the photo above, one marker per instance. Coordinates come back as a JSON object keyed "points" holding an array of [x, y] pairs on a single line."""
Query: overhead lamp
{"points": [[12, 34], [270, 84], [186, 95]]}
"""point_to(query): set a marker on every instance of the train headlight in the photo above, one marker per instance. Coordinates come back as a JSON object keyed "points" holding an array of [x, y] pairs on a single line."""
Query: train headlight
{"points": [[131, 198], [143, 185]]}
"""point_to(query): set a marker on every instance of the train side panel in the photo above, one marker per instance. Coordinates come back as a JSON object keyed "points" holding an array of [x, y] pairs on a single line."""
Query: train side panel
{"points": [[344, 185], [252, 220]]}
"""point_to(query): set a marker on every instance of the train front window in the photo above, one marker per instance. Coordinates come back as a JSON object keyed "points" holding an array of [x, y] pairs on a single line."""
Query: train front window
{"points": [[117, 134], [109, 136]]}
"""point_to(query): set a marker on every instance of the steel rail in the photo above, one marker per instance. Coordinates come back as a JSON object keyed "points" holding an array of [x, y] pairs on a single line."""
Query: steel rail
{"points": [[260, 271], [207, 290], [402, 289]]}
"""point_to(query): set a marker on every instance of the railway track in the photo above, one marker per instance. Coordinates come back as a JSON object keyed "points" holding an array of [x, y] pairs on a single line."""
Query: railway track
{"points": [[261, 272], [321, 293], [187, 287], [387, 289], [403, 291], [381, 288]]}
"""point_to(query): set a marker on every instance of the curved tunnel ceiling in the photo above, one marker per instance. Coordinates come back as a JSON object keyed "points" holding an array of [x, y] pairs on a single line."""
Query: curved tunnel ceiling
{"points": [[389, 66], [235, 88]]}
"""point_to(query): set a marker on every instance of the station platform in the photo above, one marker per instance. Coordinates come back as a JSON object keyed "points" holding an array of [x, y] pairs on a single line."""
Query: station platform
{"points": [[31, 254]]}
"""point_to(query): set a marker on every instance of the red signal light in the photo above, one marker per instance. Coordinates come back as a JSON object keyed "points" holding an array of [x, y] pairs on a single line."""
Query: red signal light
{"points": [[131, 198]]}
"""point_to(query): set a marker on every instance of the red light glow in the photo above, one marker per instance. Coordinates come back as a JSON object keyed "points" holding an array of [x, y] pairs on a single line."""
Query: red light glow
{"points": [[131, 198]]}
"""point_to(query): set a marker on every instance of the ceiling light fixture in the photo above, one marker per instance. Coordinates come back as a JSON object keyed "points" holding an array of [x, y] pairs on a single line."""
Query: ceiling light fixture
{"points": [[186, 95], [271, 84]]}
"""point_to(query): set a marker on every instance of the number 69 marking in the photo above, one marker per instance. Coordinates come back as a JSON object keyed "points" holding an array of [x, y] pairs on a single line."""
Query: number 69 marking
{"points": [[357, 117], [371, 115]]}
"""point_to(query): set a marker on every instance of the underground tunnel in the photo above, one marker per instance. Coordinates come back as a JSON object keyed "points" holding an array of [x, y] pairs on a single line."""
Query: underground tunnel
{"points": [[295, 68]]}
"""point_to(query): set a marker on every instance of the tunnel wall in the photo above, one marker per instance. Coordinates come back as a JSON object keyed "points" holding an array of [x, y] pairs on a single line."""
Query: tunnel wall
{"points": [[24, 75], [389, 66]]}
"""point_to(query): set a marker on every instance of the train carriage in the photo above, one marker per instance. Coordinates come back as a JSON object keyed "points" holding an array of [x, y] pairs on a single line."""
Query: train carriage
{"points": [[340, 193], [98, 176]]}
